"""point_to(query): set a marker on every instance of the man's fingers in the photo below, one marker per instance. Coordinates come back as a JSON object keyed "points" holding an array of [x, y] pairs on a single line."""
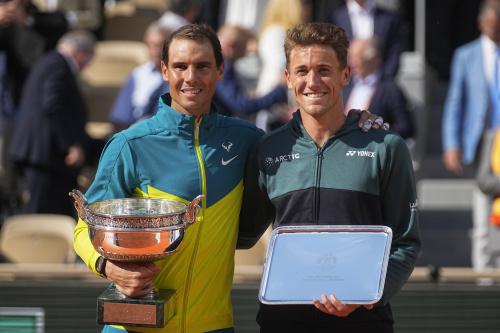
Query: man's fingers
{"points": [[367, 125], [326, 305], [378, 121]]}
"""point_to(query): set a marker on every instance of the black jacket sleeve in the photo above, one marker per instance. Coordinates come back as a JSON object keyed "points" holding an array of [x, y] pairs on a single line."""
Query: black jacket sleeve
{"points": [[257, 211]]}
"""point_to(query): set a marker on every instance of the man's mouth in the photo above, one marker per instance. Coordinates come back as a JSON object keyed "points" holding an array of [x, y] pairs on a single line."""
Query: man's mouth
{"points": [[315, 95], [191, 91]]}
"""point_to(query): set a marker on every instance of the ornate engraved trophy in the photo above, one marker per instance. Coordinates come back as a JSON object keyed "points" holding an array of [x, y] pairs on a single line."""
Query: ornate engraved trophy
{"points": [[136, 230]]}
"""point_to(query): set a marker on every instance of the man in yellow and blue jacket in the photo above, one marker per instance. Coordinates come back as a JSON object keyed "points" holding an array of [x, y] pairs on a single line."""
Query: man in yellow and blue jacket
{"points": [[185, 150]]}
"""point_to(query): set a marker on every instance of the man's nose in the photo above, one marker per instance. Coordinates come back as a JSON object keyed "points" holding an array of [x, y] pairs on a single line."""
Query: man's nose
{"points": [[313, 79], [189, 74]]}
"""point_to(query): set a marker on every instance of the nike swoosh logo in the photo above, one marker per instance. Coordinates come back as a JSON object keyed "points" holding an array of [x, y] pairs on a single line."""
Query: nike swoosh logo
{"points": [[228, 161]]}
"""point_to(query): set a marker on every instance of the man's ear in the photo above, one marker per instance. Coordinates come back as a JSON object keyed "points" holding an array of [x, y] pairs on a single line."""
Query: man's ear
{"points": [[164, 70], [220, 74], [288, 82], [346, 72]]}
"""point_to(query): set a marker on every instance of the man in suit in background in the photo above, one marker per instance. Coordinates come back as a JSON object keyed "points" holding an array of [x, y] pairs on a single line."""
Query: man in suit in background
{"points": [[370, 89], [363, 19], [50, 143], [138, 98], [473, 106], [230, 96]]}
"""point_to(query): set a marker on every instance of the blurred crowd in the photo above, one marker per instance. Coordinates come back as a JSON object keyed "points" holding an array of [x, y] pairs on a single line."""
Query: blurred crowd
{"points": [[44, 114], [46, 44]]}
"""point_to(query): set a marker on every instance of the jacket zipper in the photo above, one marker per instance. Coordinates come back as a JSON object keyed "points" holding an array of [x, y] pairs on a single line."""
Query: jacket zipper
{"points": [[319, 161], [202, 213]]}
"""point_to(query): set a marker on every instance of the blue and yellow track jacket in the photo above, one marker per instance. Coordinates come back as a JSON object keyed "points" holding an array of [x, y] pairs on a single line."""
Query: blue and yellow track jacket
{"points": [[177, 157]]}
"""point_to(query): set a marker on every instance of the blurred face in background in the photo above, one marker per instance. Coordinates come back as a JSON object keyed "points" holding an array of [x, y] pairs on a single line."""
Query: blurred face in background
{"points": [[489, 25], [363, 58], [154, 42]]}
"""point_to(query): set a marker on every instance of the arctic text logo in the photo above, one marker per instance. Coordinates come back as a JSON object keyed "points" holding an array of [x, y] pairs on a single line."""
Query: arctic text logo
{"points": [[283, 158]]}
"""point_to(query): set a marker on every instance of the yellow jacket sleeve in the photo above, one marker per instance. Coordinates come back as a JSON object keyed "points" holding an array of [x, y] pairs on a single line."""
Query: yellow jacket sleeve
{"points": [[84, 247]]}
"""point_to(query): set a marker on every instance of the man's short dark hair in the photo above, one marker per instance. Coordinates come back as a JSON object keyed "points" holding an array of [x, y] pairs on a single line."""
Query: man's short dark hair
{"points": [[318, 33], [196, 32]]}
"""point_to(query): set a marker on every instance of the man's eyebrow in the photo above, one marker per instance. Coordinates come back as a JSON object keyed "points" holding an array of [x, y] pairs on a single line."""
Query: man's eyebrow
{"points": [[185, 63], [319, 64]]}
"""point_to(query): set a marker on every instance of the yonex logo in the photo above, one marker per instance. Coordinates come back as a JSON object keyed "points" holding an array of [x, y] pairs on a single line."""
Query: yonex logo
{"points": [[361, 153]]}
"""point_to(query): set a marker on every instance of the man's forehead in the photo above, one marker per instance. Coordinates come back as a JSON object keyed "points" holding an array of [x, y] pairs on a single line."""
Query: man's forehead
{"points": [[300, 53], [190, 47]]}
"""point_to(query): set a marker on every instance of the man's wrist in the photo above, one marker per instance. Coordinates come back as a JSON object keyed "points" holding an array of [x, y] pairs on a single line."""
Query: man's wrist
{"points": [[100, 266]]}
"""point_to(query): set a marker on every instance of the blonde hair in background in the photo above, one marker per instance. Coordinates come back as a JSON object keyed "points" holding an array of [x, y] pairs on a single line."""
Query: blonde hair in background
{"points": [[286, 13]]}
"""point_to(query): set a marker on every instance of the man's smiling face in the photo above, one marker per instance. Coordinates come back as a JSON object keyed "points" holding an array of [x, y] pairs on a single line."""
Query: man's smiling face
{"points": [[192, 73], [316, 79]]}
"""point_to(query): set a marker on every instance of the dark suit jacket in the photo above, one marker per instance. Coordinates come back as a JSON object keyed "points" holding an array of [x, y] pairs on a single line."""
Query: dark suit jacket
{"points": [[387, 28], [52, 119], [230, 99], [389, 102]]}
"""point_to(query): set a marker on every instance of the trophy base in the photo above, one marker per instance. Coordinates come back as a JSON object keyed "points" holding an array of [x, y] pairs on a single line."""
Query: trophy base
{"points": [[114, 308]]}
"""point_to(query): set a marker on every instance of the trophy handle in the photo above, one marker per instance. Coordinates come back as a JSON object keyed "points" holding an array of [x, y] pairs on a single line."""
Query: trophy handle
{"points": [[193, 210], [80, 202]]}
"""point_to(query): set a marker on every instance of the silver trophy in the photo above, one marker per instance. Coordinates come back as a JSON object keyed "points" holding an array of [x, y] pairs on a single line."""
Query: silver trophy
{"points": [[136, 230]]}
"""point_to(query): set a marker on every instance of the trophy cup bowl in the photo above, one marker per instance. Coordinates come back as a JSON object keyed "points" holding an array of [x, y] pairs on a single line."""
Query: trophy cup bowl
{"points": [[136, 230]]}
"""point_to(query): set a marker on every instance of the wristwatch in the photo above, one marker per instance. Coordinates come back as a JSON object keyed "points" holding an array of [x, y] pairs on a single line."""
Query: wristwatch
{"points": [[100, 265]]}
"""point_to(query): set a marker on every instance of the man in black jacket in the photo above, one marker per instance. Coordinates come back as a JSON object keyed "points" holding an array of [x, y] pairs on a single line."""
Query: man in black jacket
{"points": [[320, 169], [50, 142]]}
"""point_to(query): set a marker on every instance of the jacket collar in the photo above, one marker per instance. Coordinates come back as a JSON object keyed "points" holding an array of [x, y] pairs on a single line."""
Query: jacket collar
{"points": [[297, 127], [179, 123]]}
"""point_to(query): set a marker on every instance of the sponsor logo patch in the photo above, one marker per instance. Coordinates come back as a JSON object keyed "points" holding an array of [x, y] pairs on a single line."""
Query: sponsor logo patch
{"points": [[283, 158], [360, 153]]}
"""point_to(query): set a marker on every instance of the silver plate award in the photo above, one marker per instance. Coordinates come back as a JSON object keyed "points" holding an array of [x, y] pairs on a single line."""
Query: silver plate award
{"points": [[303, 262]]}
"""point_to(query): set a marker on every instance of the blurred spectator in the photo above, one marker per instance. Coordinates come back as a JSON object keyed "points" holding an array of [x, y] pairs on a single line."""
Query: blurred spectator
{"points": [[323, 9], [138, 98], [230, 98], [80, 14], [370, 89], [246, 14], [363, 19], [471, 107], [279, 16], [25, 34], [487, 177], [213, 13], [50, 144], [180, 13]]}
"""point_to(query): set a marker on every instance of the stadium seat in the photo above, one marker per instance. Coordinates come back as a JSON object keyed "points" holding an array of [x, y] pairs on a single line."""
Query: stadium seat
{"points": [[38, 238]]}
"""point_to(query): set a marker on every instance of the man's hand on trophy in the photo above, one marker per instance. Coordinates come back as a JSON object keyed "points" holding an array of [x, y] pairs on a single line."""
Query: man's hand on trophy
{"points": [[335, 307], [132, 279]]}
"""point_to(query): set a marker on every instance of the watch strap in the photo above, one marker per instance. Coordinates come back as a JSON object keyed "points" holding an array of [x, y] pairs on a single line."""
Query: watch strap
{"points": [[101, 266]]}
